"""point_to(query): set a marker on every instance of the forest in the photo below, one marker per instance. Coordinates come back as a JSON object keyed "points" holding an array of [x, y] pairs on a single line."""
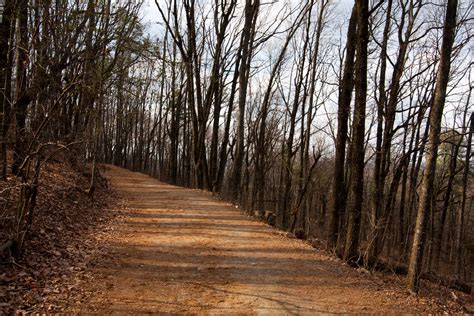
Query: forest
{"points": [[347, 123]]}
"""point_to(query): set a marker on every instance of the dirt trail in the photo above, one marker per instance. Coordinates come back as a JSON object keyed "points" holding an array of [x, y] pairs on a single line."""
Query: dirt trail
{"points": [[183, 251]]}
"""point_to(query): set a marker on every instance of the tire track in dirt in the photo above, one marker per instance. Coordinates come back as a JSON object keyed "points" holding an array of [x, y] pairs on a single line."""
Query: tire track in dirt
{"points": [[183, 251]]}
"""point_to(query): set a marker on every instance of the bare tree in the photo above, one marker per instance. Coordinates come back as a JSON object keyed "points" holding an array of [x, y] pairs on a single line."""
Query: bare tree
{"points": [[345, 95], [357, 159], [436, 112]]}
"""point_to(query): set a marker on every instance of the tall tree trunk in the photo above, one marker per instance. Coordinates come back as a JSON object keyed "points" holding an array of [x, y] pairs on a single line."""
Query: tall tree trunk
{"points": [[344, 102], [248, 35], [356, 178], [436, 113], [460, 213], [216, 86], [6, 34], [378, 189], [223, 153], [286, 208], [447, 199], [22, 97]]}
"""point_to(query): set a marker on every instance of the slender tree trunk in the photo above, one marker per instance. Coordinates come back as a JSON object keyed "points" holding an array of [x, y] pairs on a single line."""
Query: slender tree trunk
{"points": [[436, 113], [248, 35], [6, 33], [344, 101], [22, 96], [286, 211], [447, 199], [378, 189], [462, 209], [223, 153], [215, 87]]}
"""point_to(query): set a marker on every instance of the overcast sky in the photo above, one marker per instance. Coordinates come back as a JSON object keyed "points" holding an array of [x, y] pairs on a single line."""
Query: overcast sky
{"points": [[151, 15]]}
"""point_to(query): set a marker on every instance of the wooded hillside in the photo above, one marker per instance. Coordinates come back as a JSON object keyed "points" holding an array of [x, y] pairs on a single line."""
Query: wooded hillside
{"points": [[349, 125]]}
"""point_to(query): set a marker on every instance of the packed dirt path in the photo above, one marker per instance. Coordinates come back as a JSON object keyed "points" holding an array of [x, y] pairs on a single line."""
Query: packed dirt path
{"points": [[183, 251]]}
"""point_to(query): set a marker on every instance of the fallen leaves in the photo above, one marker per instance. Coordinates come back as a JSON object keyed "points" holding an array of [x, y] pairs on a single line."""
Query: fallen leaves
{"points": [[61, 246]]}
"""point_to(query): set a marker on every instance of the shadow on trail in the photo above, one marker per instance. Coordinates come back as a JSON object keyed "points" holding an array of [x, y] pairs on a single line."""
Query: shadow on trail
{"points": [[183, 251], [288, 308], [256, 266]]}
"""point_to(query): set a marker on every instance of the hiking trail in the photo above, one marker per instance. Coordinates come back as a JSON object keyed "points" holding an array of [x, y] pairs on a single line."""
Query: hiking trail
{"points": [[184, 251]]}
